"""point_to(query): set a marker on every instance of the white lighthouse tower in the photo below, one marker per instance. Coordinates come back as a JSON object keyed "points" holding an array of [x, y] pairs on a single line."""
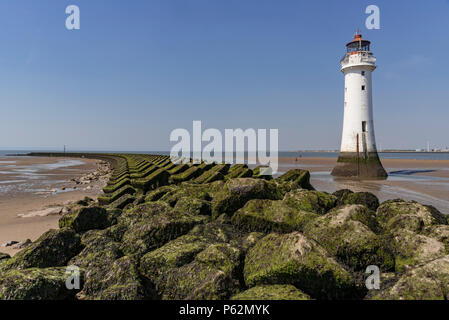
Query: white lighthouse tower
{"points": [[358, 153]]}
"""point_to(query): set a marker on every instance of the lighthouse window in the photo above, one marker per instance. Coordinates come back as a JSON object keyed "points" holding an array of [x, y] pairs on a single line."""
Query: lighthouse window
{"points": [[363, 73], [363, 126], [363, 87]]}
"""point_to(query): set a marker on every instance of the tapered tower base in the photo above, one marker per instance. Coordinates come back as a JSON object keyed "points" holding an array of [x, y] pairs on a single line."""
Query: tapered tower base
{"points": [[349, 164]]}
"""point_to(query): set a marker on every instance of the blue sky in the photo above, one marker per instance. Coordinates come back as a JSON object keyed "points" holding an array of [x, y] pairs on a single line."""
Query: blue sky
{"points": [[139, 69]]}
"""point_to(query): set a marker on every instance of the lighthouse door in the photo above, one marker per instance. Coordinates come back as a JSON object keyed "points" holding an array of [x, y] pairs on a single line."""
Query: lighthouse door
{"points": [[364, 144]]}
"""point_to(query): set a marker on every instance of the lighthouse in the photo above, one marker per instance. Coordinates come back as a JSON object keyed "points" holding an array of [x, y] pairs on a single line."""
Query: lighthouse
{"points": [[358, 153]]}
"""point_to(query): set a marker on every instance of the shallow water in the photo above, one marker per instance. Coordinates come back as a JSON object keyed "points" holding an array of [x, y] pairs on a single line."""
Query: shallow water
{"points": [[34, 177]]}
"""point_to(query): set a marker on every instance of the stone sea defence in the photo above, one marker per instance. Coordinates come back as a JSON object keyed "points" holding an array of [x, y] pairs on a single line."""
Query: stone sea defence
{"points": [[211, 231]]}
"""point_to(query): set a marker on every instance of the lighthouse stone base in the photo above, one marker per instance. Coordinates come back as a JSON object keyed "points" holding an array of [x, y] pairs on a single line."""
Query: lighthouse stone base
{"points": [[350, 164]]}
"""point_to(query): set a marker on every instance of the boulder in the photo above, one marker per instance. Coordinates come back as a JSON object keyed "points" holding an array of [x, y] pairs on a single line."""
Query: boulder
{"points": [[272, 292], [270, 215], [349, 233], [299, 177], [294, 259], [90, 218], [4, 256], [412, 249], [193, 206], [236, 192], [367, 199], [152, 224], [35, 284], [121, 281], [212, 275], [53, 249], [427, 282], [398, 214], [311, 201]]}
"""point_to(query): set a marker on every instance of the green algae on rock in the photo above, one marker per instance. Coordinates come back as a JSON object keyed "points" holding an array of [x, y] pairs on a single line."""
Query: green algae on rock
{"points": [[36, 284], [311, 201], [89, 218], [272, 292], [271, 215], [294, 259]]}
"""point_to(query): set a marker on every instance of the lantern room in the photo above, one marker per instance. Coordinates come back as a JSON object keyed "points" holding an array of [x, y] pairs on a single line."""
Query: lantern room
{"points": [[358, 44]]}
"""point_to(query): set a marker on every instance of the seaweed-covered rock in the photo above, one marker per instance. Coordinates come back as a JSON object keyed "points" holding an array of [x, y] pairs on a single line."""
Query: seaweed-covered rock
{"points": [[412, 249], [237, 192], [349, 233], [158, 193], [121, 281], [439, 232], [4, 256], [427, 282], [53, 249], [193, 206], [311, 201], [152, 224], [272, 292], [212, 275], [36, 284], [90, 218], [398, 214], [294, 259], [301, 178], [271, 215], [367, 199], [186, 190]]}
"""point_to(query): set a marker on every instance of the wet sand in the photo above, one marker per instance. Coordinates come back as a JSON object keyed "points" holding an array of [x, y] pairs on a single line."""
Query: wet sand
{"points": [[426, 181], [30, 184]]}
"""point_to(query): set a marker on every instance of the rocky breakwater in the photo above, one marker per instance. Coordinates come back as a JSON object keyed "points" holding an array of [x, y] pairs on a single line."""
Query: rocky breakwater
{"points": [[165, 231]]}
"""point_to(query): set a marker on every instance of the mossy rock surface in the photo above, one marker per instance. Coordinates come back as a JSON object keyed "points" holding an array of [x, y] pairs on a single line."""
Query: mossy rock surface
{"points": [[300, 178], [236, 192], [121, 281], [53, 249], [111, 197], [36, 284], [367, 199], [349, 233], [212, 275], [193, 206], [311, 201], [271, 216], [398, 214], [294, 259], [89, 218], [155, 195], [4, 256], [152, 224], [272, 292], [413, 249], [427, 282]]}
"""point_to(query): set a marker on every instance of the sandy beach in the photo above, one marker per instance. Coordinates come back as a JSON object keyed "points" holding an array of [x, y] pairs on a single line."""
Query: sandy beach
{"points": [[34, 190], [426, 181]]}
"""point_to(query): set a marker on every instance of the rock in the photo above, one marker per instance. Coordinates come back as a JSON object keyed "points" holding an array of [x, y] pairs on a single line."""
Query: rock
{"points": [[427, 282], [4, 256], [270, 215], [35, 284], [367, 199], [300, 178], [349, 233], [152, 224], [192, 206], [311, 201], [53, 249], [398, 214], [212, 275], [294, 259], [121, 282], [272, 292], [341, 194], [186, 190], [9, 243], [413, 249], [23, 244], [237, 192], [89, 218], [440, 233]]}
